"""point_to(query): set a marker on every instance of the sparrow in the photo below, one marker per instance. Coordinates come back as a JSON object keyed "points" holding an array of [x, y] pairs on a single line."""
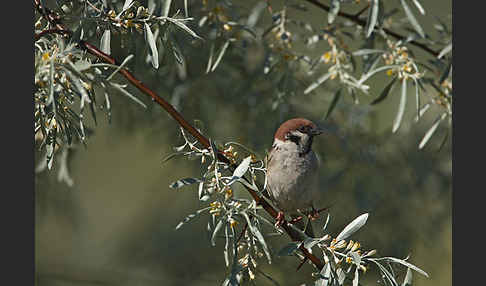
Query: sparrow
{"points": [[292, 169]]}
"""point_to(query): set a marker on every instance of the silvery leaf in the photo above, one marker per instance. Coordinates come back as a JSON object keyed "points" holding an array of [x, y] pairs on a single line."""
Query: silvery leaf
{"points": [[431, 130], [318, 82], [334, 10], [401, 107], [354, 226], [407, 281], [242, 167], [403, 262], [149, 37], [183, 182], [412, 19], [105, 42], [372, 17]]}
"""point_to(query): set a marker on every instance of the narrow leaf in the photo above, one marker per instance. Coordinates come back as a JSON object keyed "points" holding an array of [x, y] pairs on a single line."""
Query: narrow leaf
{"points": [[105, 42], [403, 262], [334, 102], [401, 107], [149, 37], [407, 281], [354, 226], [318, 82], [446, 72], [181, 25], [372, 17], [431, 130], [385, 92], [242, 168], [183, 182], [129, 95], [356, 277], [335, 4], [364, 52], [419, 7], [166, 7], [412, 19], [445, 50], [220, 55], [215, 232]]}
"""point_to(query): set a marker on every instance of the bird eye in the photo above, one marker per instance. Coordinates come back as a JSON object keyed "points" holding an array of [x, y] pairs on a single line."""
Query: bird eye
{"points": [[303, 128]]}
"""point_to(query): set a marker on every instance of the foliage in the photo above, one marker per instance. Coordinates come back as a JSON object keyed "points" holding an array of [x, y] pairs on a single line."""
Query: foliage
{"points": [[242, 252], [294, 58]]}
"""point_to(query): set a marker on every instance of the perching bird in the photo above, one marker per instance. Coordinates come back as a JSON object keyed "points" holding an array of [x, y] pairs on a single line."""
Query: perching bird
{"points": [[292, 168]]}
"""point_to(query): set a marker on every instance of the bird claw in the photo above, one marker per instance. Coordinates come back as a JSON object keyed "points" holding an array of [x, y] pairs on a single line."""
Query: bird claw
{"points": [[296, 220], [280, 219]]}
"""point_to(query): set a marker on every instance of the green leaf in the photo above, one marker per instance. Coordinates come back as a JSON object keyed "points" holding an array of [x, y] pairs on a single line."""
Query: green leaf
{"points": [[149, 37], [446, 72], [184, 182], [334, 102], [372, 17], [354, 226], [412, 19], [334, 10], [401, 107], [385, 92]]}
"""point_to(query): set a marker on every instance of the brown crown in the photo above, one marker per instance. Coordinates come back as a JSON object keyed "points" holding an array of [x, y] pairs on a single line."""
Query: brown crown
{"points": [[292, 124]]}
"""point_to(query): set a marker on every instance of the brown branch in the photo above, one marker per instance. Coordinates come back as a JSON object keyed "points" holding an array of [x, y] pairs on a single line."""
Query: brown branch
{"points": [[355, 18], [54, 20], [50, 31]]}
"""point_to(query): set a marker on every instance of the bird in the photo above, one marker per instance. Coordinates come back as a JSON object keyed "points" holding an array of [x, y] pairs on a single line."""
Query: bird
{"points": [[293, 169]]}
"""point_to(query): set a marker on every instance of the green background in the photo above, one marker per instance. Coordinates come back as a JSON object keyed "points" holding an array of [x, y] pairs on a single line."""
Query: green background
{"points": [[115, 226]]}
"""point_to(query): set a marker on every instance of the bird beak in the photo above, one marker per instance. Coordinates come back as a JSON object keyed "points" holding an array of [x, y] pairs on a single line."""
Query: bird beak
{"points": [[318, 130]]}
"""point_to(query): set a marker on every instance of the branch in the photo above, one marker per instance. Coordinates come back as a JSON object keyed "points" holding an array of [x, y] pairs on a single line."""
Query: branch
{"points": [[355, 18], [54, 20], [50, 31]]}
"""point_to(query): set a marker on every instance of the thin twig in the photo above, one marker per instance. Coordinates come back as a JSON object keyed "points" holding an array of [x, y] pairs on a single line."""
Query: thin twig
{"points": [[55, 21], [362, 22], [50, 31]]}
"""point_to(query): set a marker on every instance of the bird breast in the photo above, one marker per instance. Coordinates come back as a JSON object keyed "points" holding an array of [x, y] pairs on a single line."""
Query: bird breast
{"points": [[292, 178]]}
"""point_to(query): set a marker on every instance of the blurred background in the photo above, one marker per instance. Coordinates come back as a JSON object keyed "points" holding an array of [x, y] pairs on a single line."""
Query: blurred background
{"points": [[116, 224]]}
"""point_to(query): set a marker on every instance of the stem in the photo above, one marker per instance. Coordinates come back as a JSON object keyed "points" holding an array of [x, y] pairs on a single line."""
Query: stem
{"points": [[54, 20], [355, 18]]}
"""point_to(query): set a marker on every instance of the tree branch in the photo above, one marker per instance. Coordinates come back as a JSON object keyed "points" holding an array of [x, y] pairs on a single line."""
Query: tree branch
{"points": [[55, 21], [355, 18]]}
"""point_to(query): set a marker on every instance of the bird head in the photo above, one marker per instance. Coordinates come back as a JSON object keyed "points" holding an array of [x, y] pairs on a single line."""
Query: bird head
{"points": [[298, 131]]}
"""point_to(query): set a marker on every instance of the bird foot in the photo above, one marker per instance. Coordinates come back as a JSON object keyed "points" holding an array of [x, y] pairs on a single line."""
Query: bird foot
{"points": [[296, 220], [280, 219]]}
